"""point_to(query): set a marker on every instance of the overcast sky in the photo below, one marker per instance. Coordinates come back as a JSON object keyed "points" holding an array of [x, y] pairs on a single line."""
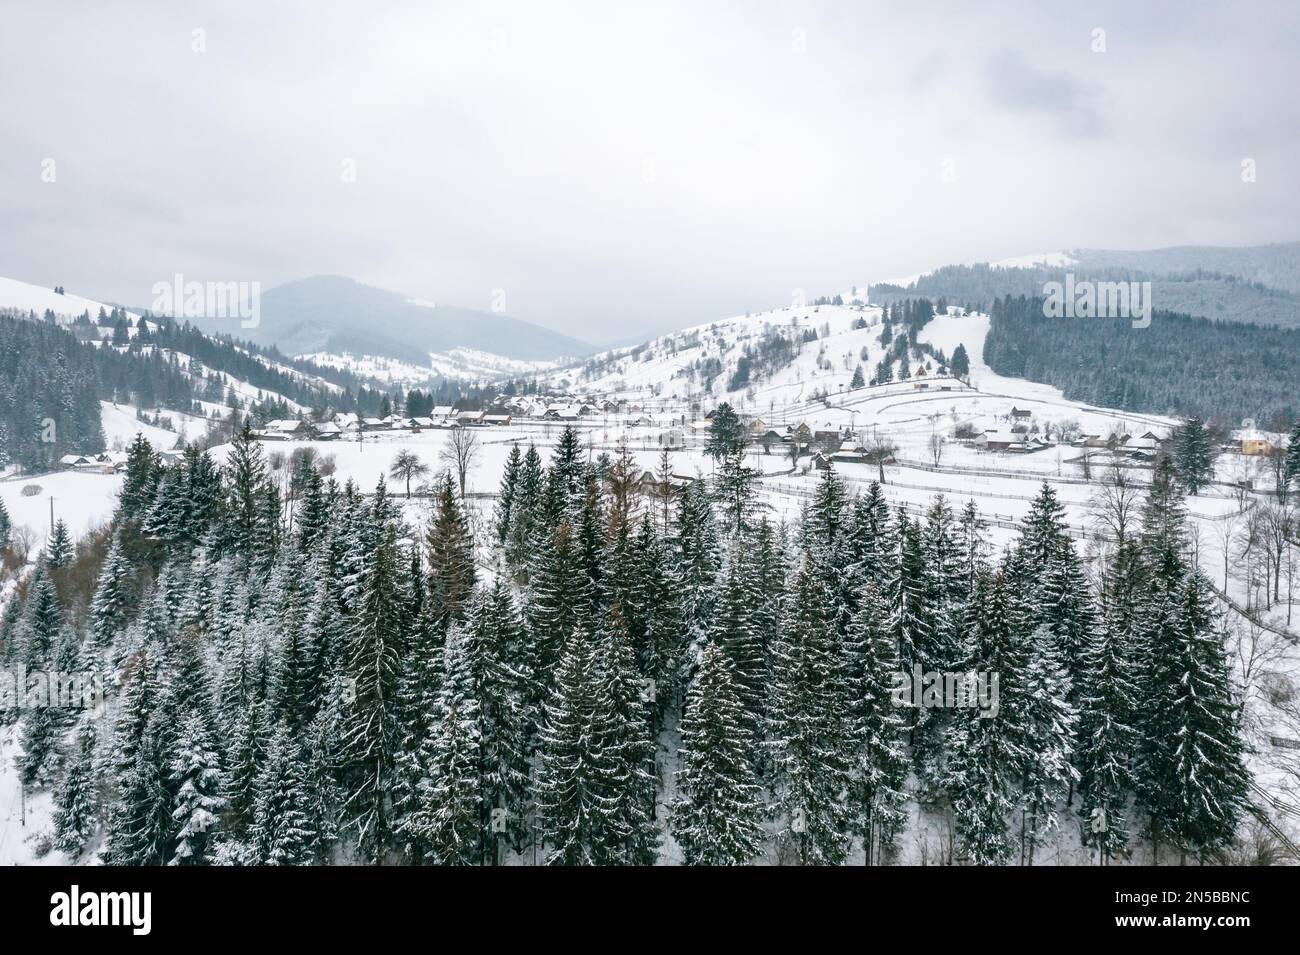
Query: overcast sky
{"points": [[619, 169]]}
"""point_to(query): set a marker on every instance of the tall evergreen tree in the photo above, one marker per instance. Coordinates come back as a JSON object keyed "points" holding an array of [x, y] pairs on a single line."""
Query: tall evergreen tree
{"points": [[807, 731], [717, 815]]}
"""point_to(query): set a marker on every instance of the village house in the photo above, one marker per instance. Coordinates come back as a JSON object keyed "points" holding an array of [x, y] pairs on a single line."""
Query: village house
{"points": [[828, 441], [1256, 443], [999, 441], [473, 418]]}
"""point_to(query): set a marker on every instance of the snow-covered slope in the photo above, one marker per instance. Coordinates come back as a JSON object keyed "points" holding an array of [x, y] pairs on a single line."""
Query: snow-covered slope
{"points": [[466, 364], [756, 361], [24, 297], [1051, 259]]}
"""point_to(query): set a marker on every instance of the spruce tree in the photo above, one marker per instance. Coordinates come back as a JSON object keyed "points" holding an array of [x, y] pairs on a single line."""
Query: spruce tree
{"points": [[574, 776], [197, 781], [561, 601], [1194, 455], [876, 730], [451, 556], [451, 797], [506, 497], [282, 832], [1106, 737], [372, 722], [987, 753], [622, 717], [736, 634], [717, 815], [58, 549], [76, 811], [807, 726]]}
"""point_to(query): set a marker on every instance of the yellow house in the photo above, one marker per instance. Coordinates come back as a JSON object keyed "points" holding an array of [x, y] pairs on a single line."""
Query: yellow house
{"points": [[1256, 445]]}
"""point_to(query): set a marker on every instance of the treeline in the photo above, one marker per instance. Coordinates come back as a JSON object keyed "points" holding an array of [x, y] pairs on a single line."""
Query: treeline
{"points": [[1201, 292], [316, 680], [49, 394], [52, 380], [1180, 365]]}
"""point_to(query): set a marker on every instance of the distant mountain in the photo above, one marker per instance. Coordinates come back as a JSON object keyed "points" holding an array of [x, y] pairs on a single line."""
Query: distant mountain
{"points": [[330, 313], [1255, 284]]}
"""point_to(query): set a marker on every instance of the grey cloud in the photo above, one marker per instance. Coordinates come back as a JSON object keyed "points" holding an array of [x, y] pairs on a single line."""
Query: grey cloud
{"points": [[1013, 83]]}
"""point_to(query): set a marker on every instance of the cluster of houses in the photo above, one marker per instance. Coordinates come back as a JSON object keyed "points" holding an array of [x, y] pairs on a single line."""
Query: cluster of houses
{"points": [[107, 462], [505, 410], [349, 424]]}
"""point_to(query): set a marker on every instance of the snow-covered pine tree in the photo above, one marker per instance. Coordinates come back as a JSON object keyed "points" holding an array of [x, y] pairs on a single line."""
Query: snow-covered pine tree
{"points": [[1202, 783], [871, 546], [876, 730], [42, 720], [699, 558], [589, 534], [622, 717], [718, 812], [58, 549], [1047, 722], [506, 497], [973, 548], [1105, 741], [736, 633], [245, 531], [450, 821], [312, 514], [825, 518], [909, 620], [372, 729], [560, 601], [450, 550], [111, 604], [282, 833], [140, 826], [498, 657], [734, 489], [76, 811], [574, 776], [142, 471], [197, 782], [526, 514], [987, 757], [807, 726]]}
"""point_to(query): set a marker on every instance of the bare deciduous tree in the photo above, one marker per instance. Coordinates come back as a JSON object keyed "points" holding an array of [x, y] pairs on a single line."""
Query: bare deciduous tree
{"points": [[459, 453], [407, 465]]}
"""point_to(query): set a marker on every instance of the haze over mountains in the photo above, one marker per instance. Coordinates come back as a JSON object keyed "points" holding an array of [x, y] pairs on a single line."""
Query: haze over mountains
{"points": [[331, 313]]}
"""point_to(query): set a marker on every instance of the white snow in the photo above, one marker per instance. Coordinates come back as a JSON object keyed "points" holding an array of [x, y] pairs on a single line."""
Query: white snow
{"points": [[33, 298]]}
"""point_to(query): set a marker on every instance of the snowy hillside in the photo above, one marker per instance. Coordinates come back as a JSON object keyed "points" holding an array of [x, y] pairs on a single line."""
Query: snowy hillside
{"points": [[1052, 259], [465, 364], [24, 297], [757, 362]]}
